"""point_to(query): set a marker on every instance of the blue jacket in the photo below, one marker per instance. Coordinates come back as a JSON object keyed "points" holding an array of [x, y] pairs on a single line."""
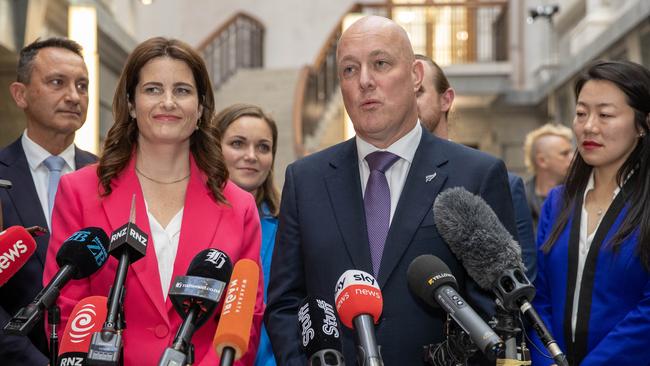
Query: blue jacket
{"points": [[614, 304], [269, 228]]}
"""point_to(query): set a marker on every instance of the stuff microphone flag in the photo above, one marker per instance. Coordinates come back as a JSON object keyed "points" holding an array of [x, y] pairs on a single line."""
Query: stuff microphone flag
{"points": [[321, 339], [233, 332], [86, 318], [359, 303], [16, 246]]}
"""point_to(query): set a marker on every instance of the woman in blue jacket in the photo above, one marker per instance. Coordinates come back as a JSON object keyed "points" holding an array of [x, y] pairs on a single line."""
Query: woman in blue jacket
{"points": [[593, 285], [249, 141]]}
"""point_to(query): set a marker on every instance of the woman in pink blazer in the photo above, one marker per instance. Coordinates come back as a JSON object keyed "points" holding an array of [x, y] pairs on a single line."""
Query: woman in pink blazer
{"points": [[162, 149]]}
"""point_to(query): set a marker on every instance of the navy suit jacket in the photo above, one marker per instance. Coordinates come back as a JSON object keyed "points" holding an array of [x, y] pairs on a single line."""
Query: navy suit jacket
{"points": [[20, 206], [524, 222], [322, 233]]}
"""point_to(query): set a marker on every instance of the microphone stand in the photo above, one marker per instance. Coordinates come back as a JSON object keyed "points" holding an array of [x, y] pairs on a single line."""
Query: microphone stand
{"points": [[367, 342], [507, 328], [106, 346], [54, 319]]}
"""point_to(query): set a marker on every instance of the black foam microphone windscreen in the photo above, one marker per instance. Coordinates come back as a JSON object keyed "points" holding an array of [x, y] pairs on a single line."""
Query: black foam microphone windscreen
{"points": [[476, 236], [211, 263], [86, 250]]}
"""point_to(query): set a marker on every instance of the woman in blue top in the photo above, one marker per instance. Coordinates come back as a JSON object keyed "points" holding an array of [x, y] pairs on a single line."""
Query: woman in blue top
{"points": [[249, 142], [593, 285]]}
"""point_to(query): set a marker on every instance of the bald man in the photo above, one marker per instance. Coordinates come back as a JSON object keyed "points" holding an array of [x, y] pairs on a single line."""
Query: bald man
{"points": [[326, 226]]}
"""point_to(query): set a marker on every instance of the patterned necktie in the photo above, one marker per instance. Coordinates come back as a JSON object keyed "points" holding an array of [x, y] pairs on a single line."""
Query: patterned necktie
{"points": [[54, 164], [377, 204]]}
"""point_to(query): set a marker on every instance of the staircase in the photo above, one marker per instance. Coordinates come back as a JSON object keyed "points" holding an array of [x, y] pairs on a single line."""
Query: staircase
{"points": [[273, 90]]}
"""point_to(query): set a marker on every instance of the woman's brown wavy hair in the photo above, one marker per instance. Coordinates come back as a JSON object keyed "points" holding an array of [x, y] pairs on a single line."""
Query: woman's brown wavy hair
{"points": [[122, 138], [268, 192]]}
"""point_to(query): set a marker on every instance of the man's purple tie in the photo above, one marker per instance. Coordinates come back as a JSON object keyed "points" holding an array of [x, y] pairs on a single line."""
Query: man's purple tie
{"points": [[377, 204]]}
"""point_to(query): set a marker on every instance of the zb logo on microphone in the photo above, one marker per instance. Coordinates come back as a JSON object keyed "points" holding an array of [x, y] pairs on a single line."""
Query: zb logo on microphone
{"points": [[95, 246]]}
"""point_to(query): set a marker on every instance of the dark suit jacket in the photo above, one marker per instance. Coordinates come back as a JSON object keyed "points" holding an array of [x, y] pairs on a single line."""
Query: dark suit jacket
{"points": [[322, 233], [524, 225], [20, 206]]}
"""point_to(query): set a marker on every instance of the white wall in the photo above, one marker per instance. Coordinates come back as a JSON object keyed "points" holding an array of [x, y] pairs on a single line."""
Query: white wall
{"points": [[295, 29]]}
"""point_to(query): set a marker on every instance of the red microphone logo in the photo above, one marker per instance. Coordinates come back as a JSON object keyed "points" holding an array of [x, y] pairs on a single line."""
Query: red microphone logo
{"points": [[357, 292], [83, 323], [86, 318]]}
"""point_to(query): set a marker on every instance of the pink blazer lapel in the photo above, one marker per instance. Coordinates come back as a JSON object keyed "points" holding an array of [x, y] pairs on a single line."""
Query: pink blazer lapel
{"points": [[117, 208], [201, 216]]}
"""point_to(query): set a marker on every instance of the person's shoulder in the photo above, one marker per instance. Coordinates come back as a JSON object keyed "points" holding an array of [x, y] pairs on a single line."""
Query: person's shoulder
{"points": [[10, 151], [315, 161], [86, 174], [85, 156], [235, 195], [555, 193], [466, 154]]}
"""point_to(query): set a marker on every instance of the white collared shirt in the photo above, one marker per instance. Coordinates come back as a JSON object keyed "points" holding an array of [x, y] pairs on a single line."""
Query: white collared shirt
{"points": [[395, 175], [40, 174], [165, 243], [584, 246]]}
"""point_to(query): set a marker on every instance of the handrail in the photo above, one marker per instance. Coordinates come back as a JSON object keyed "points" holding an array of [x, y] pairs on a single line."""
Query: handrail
{"points": [[237, 43], [316, 84]]}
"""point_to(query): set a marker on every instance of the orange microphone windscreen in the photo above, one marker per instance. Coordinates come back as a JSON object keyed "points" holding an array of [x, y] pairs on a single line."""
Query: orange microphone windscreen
{"points": [[237, 314]]}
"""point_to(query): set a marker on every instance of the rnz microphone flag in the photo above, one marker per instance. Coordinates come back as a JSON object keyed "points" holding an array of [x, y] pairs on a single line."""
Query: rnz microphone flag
{"points": [[86, 318]]}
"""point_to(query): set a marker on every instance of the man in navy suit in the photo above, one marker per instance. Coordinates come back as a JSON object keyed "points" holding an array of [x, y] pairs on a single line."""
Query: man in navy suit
{"points": [[323, 229], [435, 98], [52, 89]]}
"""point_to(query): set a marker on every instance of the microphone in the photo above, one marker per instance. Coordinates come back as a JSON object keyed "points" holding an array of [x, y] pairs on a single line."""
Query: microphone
{"points": [[490, 255], [430, 279], [16, 246], [128, 245], [321, 338], [86, 318], [195, 297], [81, 255], [359, 303], [233, 331]]}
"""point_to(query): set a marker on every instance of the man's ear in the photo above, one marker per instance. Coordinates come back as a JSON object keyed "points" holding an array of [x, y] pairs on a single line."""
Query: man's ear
{"points": [[540, 160], [447, 100], [418, 75], [18, 91]]}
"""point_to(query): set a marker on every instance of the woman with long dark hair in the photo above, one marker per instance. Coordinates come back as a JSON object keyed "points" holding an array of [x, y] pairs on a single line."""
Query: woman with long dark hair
{"points": [[164, 150], [593, 284]]}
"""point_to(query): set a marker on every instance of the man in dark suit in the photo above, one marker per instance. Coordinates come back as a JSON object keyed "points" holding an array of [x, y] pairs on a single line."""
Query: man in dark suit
{"points": [[323, 225], [52, 89], [435, 98]]}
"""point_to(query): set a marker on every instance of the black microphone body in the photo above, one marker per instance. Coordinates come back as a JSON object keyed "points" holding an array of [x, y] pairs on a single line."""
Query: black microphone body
{"points": [[128, 244], [81, 255], [490, 255], [430, 278], [195, 298]]}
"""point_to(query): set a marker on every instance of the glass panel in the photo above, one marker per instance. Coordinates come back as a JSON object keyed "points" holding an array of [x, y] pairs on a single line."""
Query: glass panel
{"points": [[413, 19]]}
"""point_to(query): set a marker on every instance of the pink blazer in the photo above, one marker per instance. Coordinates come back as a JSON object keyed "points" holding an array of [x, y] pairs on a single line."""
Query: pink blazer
{"points": [[151, 320]]}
